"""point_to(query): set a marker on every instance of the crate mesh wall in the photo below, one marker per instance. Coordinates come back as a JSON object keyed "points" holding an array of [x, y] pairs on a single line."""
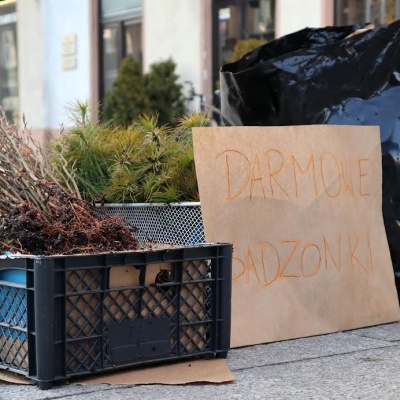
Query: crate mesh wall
{"points": [[179, 223], [108, 311], [13, 328], [187, 305]]}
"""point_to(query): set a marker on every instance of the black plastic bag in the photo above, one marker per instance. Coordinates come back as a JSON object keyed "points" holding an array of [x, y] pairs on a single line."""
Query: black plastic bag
{"points": [[337, 75]]}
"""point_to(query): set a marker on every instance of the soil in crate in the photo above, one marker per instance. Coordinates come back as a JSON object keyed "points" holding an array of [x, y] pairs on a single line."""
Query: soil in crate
{"points": [[68, 226]]}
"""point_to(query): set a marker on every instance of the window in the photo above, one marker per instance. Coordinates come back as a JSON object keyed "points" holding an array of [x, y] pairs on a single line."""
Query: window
{"points": [[380, 12], [111, 8], [260, 15], [235, 20], [238, 20], [8, 61], [228, 33], [121, 36]]}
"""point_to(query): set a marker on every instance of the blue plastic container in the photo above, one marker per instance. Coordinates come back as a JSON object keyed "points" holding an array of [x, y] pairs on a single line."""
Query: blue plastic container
{"points": [[13, 276], [13, 306]]}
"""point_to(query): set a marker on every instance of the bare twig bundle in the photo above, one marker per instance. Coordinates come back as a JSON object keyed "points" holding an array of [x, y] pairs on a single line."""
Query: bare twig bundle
{"points": [[40, 216], [23, 170]]}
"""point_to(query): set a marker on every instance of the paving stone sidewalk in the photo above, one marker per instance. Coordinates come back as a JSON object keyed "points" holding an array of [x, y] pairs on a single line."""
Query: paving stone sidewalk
{"points": [[358, 364]]}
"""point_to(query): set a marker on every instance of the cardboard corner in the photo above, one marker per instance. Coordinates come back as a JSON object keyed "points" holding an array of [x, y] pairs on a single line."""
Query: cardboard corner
{"points": [[10, 377]]}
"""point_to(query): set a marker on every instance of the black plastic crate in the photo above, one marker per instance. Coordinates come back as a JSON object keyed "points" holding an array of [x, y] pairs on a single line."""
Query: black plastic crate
{"points": [[68, 316]]}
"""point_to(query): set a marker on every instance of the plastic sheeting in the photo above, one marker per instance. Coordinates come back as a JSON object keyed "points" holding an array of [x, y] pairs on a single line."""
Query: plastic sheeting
{"points": [[346, 75]]}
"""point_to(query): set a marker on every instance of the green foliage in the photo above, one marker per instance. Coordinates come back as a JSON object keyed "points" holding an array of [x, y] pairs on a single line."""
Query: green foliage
{"points": [[82, 153], [183, 130], [135, 93], [165, 92], [244, 46], [145, 162], [128, 97]]}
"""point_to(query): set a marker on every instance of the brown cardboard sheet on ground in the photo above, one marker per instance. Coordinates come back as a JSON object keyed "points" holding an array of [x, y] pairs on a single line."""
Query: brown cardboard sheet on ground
{"points": [[10, 377], [303, 208], [212, 371]]}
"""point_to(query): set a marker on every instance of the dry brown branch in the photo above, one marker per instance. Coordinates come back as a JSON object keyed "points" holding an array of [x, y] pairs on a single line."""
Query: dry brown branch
{"points": [[38, 215]]}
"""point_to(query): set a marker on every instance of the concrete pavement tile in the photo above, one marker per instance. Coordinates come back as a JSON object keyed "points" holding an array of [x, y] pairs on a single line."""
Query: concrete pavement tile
{"points": [[23, 392], [388, 332], [306, 348], [368, 375], [246, 389]]}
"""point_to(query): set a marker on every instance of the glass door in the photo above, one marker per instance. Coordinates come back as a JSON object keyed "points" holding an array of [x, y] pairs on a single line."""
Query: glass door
{"points": [[112, 54], [236, 20], [260, 19], [228, 32], [121, 36]]}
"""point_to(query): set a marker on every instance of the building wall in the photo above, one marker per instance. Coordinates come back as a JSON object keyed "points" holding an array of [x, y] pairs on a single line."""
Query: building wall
{"points": [[293, 15], [30, 62], [206, 51], [172, 28], [180, 29], [49, 80]]}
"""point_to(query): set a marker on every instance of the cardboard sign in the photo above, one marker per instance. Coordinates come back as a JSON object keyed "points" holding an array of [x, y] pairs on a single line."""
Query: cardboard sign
{"points": [[303, 207]]}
